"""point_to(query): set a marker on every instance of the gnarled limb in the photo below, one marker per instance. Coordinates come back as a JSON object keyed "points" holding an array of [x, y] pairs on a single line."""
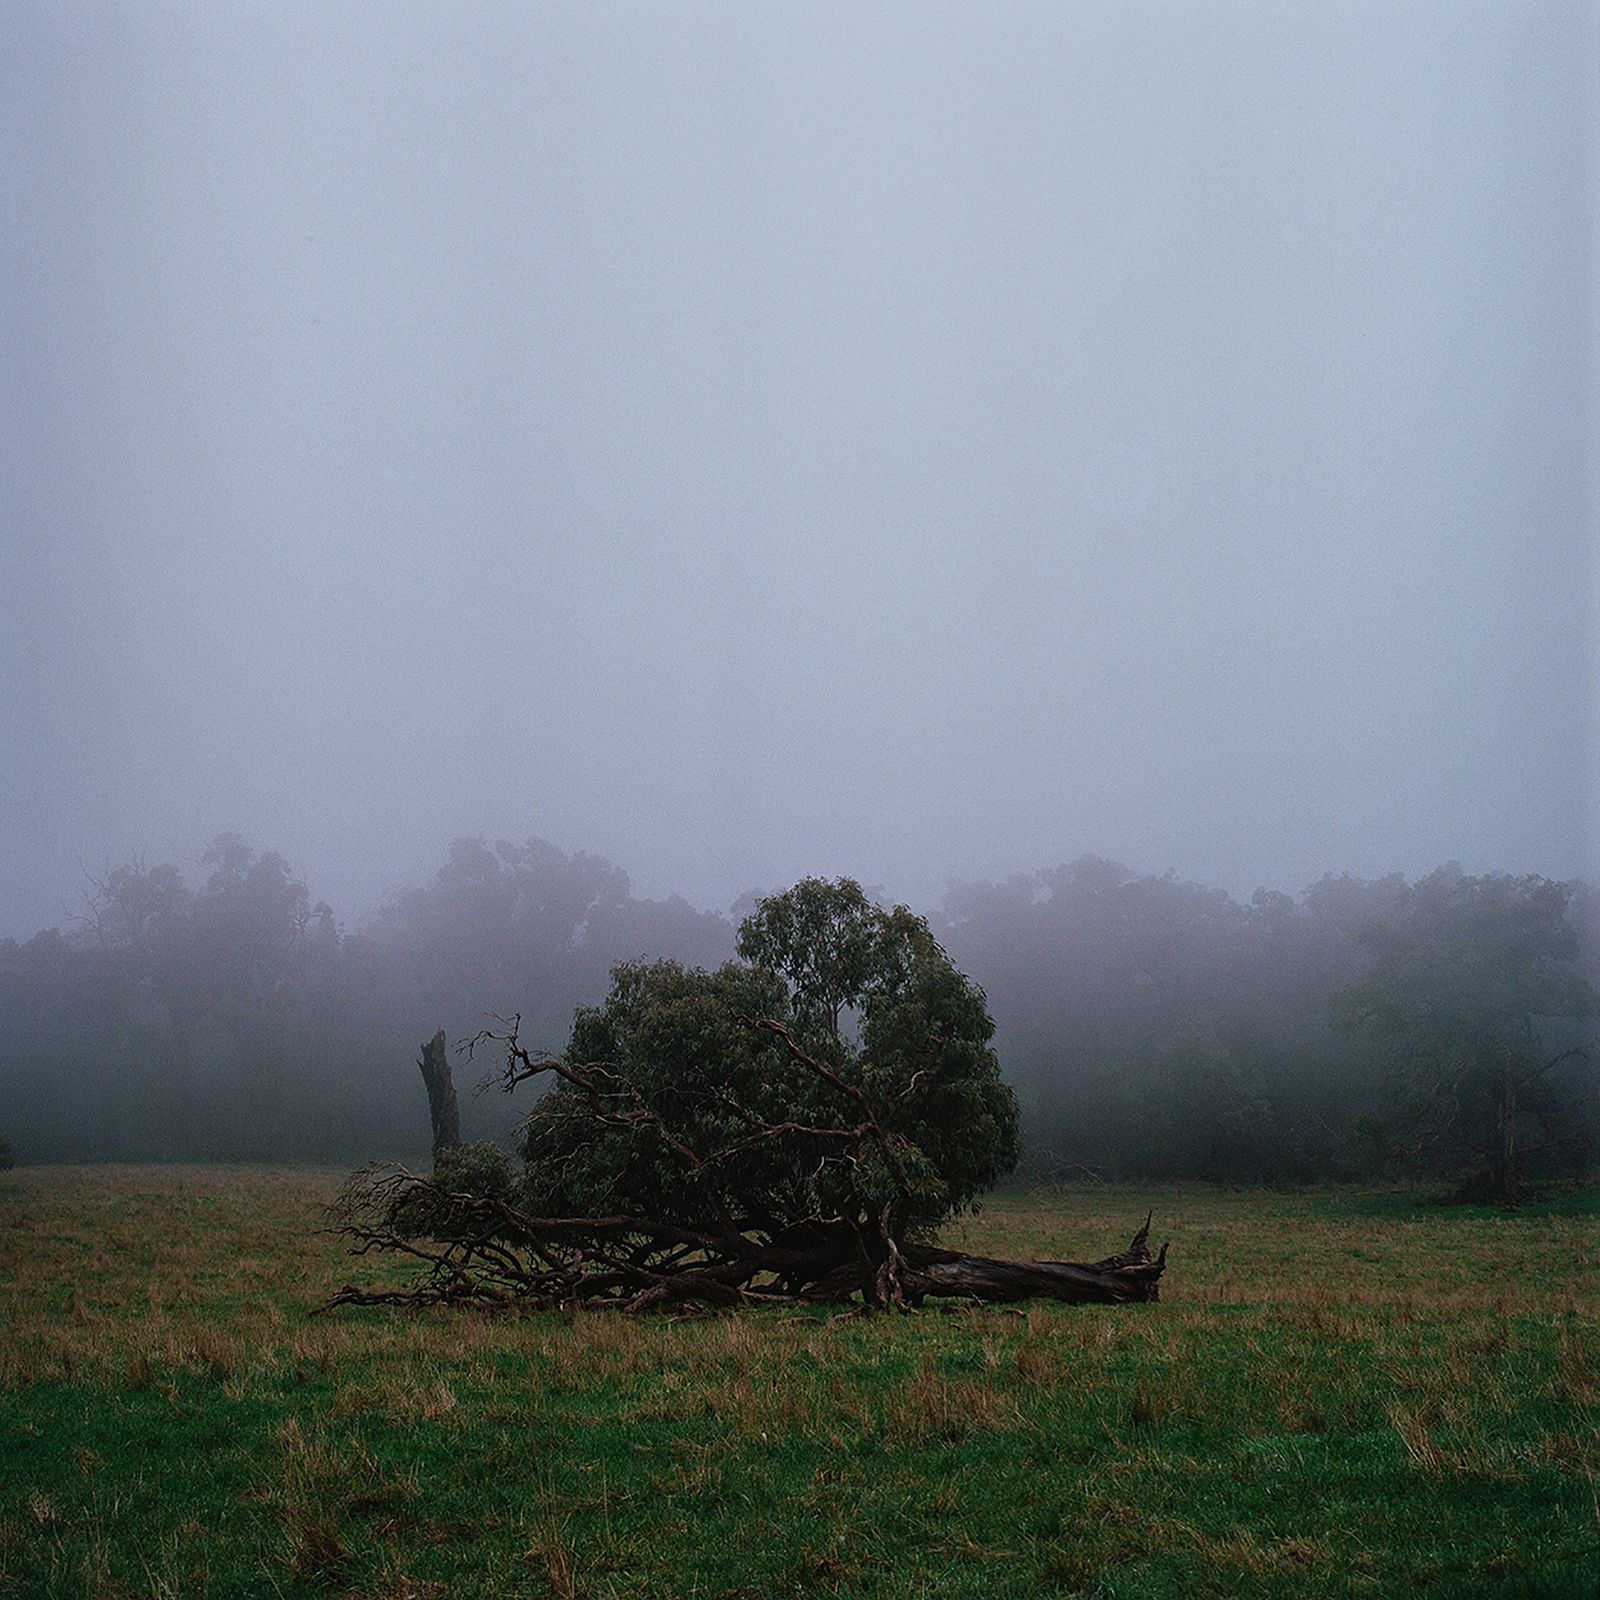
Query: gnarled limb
{"points": [[500, 1257]]}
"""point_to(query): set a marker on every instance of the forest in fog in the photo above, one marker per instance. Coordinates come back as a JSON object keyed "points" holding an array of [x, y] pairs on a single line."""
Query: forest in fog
{"points": [[899, 442], [857, 659], [1151, 1026]]}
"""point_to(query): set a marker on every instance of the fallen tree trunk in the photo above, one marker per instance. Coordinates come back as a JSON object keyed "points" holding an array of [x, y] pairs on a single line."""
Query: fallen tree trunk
{"points": [[789, 1174], [484, 1251], [924, 1272], [1135, 1274]]}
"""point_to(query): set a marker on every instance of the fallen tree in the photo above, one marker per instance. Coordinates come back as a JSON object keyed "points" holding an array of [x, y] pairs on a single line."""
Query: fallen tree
{"points": [[485, 1251], [794, 1126]]}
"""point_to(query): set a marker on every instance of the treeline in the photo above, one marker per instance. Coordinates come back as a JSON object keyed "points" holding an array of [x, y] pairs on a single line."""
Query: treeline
{"points": [[235, 1020], [1152, 1027]]}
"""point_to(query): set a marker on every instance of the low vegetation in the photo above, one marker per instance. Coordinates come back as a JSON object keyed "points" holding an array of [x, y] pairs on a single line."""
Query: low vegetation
{"points": [[1343, 1392]]}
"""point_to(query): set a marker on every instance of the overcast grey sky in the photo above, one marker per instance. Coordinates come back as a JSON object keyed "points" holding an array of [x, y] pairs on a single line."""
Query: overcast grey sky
{"points": [[912, 440]]}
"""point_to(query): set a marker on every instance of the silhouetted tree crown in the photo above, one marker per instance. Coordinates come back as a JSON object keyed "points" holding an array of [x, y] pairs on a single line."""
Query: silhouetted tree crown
{"points": [[753, 1069]]}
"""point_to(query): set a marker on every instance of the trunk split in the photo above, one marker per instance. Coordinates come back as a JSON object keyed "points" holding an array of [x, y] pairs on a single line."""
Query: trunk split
{"points": [[1133, 1275]]}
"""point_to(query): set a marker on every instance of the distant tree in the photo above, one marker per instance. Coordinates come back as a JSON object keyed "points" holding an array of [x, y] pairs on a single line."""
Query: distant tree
{"points": [[1474, 982], [228, 1015], [1105, 983], [8, 1157], [213, 1000], [251, 928]]}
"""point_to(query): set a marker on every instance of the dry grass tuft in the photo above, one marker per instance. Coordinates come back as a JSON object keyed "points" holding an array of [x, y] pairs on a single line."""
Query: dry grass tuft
{"points": [[317, 1551], [1415, 1434], [318, 1484], [1071, 1569], [934, 1406], [395, 1585], [550, 1551], [1147, 1407], [1299, 1554], [406, 1401], [1038, 1365], [217, 1354]]}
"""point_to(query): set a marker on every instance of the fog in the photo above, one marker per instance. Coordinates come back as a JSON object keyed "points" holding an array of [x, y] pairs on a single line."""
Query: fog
{"points": [[919, 441]]}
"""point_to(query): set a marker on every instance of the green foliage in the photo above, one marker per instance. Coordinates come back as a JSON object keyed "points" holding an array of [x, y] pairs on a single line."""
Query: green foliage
{"points": [[871, 999], [479, 1168], [1474, 982], [829, 943], [676, 1041], [919, 1021]]}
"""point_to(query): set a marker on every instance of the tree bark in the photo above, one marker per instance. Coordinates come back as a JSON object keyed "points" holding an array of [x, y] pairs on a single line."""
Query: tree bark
{"points": [[435, 1065], [1133, 1275], [919, 1272]]}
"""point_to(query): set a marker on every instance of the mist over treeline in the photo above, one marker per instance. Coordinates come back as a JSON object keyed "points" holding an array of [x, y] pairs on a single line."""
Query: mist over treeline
{"points": [[1152, 1027]]}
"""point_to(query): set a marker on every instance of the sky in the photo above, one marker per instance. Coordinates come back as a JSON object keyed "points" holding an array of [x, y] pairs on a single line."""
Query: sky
{"points": [[921, 441]]}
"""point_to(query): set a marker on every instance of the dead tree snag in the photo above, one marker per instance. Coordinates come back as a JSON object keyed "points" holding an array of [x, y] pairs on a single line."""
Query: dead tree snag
{"points": [[442, 1108]]}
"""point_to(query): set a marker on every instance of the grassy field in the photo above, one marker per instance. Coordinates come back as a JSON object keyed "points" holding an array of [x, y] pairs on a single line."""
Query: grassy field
{"points": [[1344, 1393]]}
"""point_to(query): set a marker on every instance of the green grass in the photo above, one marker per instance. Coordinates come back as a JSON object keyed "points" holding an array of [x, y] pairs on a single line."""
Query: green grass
{"points": [[1345, 1392]]}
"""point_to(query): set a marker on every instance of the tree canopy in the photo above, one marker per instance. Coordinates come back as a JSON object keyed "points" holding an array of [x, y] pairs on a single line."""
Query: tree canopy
{"points": [[1475, 983], [754, 1068]]}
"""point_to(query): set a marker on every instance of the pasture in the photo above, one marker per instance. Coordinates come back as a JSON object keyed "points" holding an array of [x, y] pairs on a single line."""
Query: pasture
{"points": [[1344, 1392]]}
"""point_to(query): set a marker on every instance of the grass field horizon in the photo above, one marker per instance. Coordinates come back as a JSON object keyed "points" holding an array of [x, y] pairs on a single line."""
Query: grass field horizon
{"points": [[1344, 1391]]}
